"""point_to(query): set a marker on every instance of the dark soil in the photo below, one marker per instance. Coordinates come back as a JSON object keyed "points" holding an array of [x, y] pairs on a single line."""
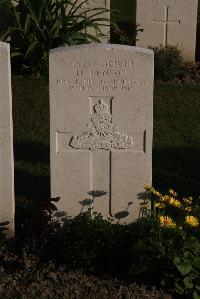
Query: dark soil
{"points": [[49, 282]]}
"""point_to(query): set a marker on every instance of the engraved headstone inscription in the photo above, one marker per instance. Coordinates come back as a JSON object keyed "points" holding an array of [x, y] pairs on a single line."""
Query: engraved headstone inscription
{"points": [[7, 205], [101, 118], [168, 22]]}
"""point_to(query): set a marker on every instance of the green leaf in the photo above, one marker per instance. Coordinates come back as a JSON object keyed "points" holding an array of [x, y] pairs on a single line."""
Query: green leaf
{"points": [[15, 54], [180, 289], [184, 266], [196, 295], [197, 263], [42, 25], [31, 47], [187, 282], [5, 34], [27, 23]]}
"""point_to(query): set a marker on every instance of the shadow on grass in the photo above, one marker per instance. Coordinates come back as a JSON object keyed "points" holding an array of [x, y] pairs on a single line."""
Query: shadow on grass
{"points": [[32, 163], [29, 151], [32, 184], [177, 168], [32, 197]]}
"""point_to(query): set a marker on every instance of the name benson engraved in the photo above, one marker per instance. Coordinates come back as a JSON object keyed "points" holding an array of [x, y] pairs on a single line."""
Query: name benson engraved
{"points": [[101, 133], [101, 76]]}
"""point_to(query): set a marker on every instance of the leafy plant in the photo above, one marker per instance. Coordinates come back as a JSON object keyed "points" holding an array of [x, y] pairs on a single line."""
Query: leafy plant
{"points": [[171, 250], [123, 32], [40, 25], [187, 262], [168, 62], [90, 243]]}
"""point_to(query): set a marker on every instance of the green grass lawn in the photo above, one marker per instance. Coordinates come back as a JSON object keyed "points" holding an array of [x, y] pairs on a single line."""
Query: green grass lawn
{"points": [[176, 146], [176, 157], [31, 145]]}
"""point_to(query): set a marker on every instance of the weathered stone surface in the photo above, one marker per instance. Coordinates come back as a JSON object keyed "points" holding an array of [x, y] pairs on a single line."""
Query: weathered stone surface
{"points": [[101, 115], [7, 205], [171, 22]]}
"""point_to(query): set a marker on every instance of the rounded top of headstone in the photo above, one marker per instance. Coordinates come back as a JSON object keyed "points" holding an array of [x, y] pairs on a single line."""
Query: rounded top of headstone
{"points": [[108, 47]]}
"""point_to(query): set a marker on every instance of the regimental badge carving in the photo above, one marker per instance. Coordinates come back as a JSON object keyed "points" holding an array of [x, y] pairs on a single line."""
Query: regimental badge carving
{"points": [[101, 133]]}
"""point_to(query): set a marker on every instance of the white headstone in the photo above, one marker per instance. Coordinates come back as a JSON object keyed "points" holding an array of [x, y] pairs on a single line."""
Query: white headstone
{"points": [[168, 22], [101, 118], [7, 204]]}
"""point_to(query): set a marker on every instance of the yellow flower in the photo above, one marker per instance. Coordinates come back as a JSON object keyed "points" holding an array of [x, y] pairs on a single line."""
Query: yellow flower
{"points": [[173, 193], [192, 221], [188, 201], [148, 188], [166, 198], [167, 222], [156, 193], [159, 205], [144, 205], [175, 202]]}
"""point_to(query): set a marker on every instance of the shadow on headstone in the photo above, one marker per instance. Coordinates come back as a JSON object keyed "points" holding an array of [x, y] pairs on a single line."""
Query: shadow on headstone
{"points": [[123, 214], [97, 193], [4, 226], [143, 197], [88, 202], [4, 230]]}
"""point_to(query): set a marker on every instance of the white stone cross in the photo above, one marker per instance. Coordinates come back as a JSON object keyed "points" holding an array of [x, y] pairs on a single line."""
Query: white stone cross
{"points": [[100, 134], [165, 22]]}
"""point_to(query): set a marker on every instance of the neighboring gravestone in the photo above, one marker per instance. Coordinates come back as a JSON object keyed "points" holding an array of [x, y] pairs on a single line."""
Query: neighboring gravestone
{"points": [[168, 22], [101, 118], [94, 4], [7, 205]]}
